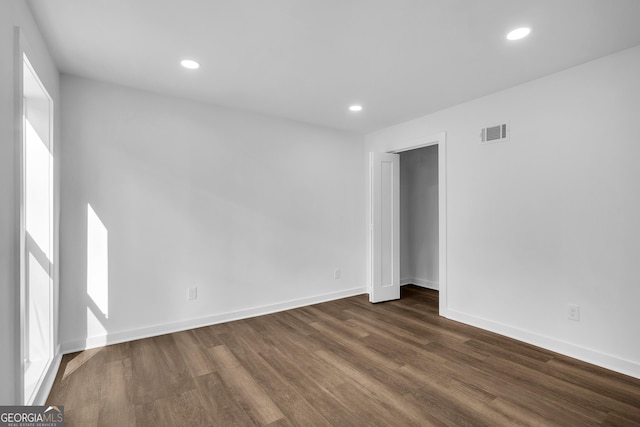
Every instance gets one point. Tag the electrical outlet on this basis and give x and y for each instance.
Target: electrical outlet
(336, 274)
(192, 294)
(574, 312)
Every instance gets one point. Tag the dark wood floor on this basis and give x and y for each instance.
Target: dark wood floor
(341, 363)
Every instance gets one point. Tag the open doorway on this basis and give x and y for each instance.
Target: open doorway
(419, 217)
(383, 267)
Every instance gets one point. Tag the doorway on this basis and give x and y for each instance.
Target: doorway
(419, 217)
(384, 218)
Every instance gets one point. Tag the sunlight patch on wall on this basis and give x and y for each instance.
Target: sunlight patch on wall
(97, 262)
(95, 328)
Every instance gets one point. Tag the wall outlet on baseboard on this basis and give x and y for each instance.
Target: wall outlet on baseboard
(192, 294)
(336, 274)
(574, 312)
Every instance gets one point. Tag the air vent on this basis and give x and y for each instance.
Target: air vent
(497, 133)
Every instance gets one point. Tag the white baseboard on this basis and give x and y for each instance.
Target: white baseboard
(604, 360)
(588, 355)
(167, 328)
(420, 282)
(47, 382)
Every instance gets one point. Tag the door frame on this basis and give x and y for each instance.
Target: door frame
(396, 147)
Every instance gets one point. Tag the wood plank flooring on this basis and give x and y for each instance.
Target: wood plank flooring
(341, 363)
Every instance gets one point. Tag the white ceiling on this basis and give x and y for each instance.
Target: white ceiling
(309, 60)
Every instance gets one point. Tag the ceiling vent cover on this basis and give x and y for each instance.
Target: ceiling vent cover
(497, 133)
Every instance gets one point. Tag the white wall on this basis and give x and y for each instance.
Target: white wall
(255, 212)
(419, 217)
(550, 217)
(16, 13)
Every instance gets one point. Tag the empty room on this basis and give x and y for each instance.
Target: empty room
(354, 212)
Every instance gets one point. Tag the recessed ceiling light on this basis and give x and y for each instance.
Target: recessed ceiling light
(519, 33)
(190, 64)
(355, 108)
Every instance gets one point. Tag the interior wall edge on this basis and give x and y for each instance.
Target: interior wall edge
(16, 238)
(603, 360)
(168, 328)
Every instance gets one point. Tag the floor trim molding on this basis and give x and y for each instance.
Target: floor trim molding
(584, 354)
(167, 328)
(428, 284)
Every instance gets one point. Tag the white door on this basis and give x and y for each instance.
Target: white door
(385, 227)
